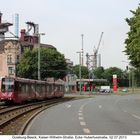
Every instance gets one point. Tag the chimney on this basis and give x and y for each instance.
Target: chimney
(22, 34)
(0, 17)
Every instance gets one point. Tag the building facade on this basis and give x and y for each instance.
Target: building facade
(9, 57)
(11, 50)
(10, 54)
(70, 83)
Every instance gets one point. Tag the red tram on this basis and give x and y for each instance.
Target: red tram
(18, 90)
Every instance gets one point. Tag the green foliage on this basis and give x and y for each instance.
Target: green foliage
(101, 73)
(84, 71)
(52, 64)
(108, 73)
(27, 65)
(136, 77)
(132, 48)
(98, 73)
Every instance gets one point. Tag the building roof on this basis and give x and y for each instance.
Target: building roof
(24, 43)
(2, 44)
(6, 24)
(91, 80)
(47, 46)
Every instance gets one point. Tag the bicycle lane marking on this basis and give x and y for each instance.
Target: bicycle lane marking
(83, 124)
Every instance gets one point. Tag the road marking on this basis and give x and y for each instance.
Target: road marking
(80, 114)
(137, 117)
(100, 106)
(86, 130)
(82, 123)
(68, 105)
(80, 111)
(81, 118)
(136, 132)
(81, 108)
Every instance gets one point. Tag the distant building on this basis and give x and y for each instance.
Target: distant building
(4, 27)
(70, 83)
(31, 40)
(10, 54)
(69, 63)
(11, 50)
(70, 79)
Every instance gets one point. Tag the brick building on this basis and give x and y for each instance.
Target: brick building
(10, 54)
(11, 50)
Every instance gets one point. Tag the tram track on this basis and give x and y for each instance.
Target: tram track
(16, 118)
(3, 107)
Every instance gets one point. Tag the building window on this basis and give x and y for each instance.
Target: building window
(17, 58)
(10, 70)
(9, 58)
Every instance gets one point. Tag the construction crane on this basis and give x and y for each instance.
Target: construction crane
(95, 55)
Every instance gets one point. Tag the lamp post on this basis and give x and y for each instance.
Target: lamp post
(131, 77)
(128, 70)
(82, 50)
(39, 75)
(80, 69)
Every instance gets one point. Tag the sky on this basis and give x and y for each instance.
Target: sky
(63, 22)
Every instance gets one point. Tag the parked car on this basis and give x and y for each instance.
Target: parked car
(105, 89)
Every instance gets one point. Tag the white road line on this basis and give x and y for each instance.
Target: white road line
(68, 105)
(81, 118)
(86, 130)
(80, 114)
(82, 123)
(100, 106)
(137, 117)
(136, 132)
(81, 108)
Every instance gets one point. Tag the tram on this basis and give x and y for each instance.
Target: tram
(18, 90)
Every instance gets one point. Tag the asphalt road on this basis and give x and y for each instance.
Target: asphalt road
(101, 115)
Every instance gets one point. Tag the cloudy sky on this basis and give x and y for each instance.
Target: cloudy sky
(64, 21)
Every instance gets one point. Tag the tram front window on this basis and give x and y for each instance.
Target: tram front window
(7, 85)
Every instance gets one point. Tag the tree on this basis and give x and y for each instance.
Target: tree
(52, 64)
(98, 73)
(136, 74)
(84, 71)
(132, 48)
(108, 73)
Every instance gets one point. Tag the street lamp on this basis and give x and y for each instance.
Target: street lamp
(39, 35)
(131, 76)
(80, 69)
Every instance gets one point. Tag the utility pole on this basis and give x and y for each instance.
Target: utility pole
(80, 71)
(82, 50)
(133, 81)
(39, 76)
(39, 73)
